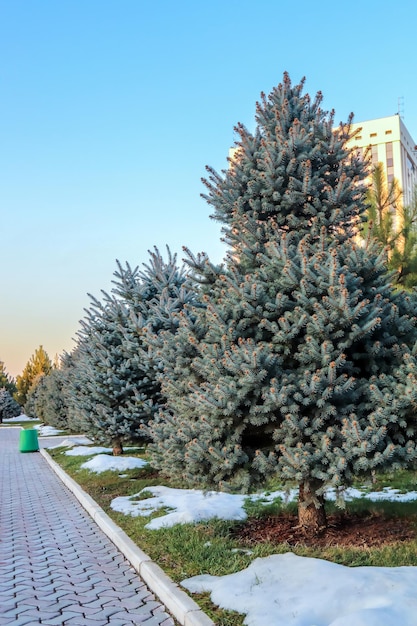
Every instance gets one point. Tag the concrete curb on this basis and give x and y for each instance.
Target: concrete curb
(176, 601)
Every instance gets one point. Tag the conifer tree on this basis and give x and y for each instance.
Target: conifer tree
(39, 364)
(302, 334)
(294, 173)
(8, 406)
(175, 424)
(75, 395)
(6, 381)
(393, 225)
(404, 256)
(104, 372)
(46, 400)
(117, 386)
(31, 396)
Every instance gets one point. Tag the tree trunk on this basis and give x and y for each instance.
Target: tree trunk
(311, 510)
(117, 447)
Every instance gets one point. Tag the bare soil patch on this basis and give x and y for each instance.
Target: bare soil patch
(348, 530)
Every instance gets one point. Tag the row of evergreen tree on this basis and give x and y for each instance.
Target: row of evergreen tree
(294, 357)
(15, 394)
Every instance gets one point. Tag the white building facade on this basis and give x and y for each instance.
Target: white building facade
(389, 142)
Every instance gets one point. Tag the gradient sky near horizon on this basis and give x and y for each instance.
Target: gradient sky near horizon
(110, 111)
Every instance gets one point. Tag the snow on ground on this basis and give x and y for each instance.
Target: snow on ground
(393, 495)
(387, 493)
(193, 505)
(82, 450)
(288, 590)
(43, 430)
(19, 418)
(104, 462)
(87, 450)
(47, 431)
(187, 506)
(78, 440)
(103, 459)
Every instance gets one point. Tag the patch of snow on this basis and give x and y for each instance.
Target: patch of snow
(393, 495)
(186, 506)
(47, 431)
(104, 462)
(82, 450)
(349, 494)
(387, 493)
(286, 496)
(68, 443)
(288, 590)
(87, 451)
(20, 418)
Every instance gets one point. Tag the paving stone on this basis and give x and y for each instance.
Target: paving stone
(22, 621)
(156, 620)
(94, 604)
(21, 588)
(91, 612)
(38, 603)
(61, 619)
(75, 621)
(119, 622)
(45, 589)
(76, 598)
(58, 595)
(107, 612)
(47, 613)
(139, 613)
(101, 590)
(8, 605)
(129, 603)
(9, 614)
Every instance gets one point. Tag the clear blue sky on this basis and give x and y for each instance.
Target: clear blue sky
(110, 110)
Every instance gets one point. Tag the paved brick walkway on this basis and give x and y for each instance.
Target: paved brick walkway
(56, 565)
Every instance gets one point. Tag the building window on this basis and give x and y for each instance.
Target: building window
(374, 154)
(389, 155)
(372, 135)
(388, 132)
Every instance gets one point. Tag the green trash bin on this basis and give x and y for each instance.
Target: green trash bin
(28, 441)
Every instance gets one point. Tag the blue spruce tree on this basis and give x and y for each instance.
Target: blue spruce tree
(8, 406)
(300, 363)
(77, 402)
(176, 422)
(116, 389)
(50, 400)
